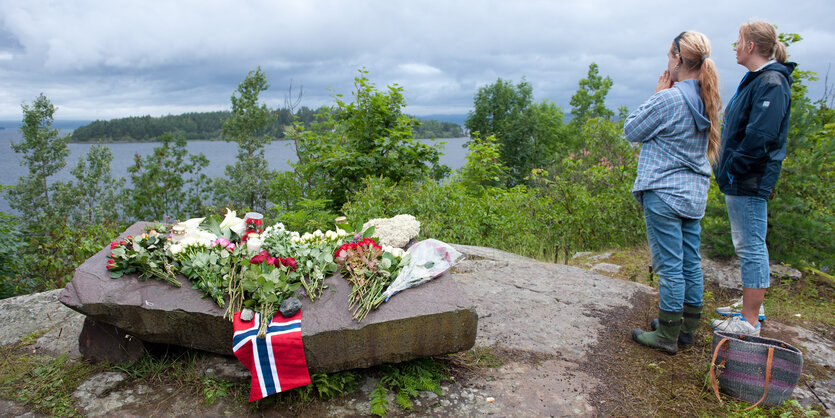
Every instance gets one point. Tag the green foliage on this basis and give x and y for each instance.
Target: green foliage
(44, 154)
(329, 386)
(168, 183)
(583, 203)
(529, 134)
(590, 99)
(406, 380)
(246, 181)
(214, 389)
(483, 169)
(94, 196)
(11, 260)
(308, 215)
(370, 136)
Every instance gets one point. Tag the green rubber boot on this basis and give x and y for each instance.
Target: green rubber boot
(665, 338)
(690, 322)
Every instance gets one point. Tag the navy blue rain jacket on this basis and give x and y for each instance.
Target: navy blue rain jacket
(754, 132)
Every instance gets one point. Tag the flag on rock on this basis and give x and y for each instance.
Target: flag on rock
(276, 362)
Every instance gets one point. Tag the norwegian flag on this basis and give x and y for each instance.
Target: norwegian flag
(276, 362)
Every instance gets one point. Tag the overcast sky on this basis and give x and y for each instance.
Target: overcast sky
(112, 58)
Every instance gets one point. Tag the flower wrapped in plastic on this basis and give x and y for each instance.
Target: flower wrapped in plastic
(428, 259)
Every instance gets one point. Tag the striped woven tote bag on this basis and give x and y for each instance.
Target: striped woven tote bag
(754, 369)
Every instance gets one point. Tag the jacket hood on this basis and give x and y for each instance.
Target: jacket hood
(785, 68)
(690, 90)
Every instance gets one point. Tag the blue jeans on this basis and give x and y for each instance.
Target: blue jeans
(748, 216)
(674, 246)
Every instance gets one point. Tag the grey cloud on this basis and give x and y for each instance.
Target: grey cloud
(102, 59)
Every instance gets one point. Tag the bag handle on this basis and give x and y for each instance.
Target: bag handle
(715, 383)
(713, 380)
(767, 376)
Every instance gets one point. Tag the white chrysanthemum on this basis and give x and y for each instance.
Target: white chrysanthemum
(318, 233)
(342, 233)
(331, 235)
(396, 231)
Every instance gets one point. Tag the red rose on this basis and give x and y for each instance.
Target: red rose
(258, 259)
(290, 262)
(272, 261)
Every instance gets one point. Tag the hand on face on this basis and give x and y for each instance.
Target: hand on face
(664, 82)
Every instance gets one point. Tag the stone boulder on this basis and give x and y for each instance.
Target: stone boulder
(431, 319)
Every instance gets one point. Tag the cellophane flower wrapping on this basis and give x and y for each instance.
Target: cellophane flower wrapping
(428, 259)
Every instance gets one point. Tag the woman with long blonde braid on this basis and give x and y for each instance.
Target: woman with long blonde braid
(678, 128)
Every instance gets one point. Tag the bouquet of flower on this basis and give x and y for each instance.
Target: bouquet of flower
(210, 269)
(312, 251)
(429, 259)
(370, 269)
(268, 280)
(144, 255)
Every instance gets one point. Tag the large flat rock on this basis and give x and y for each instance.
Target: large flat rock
(431, 319)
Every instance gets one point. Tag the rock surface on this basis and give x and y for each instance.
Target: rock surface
(544, 319)
(431, 319)
(56, 326)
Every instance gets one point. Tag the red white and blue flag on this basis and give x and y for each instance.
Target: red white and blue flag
(276, 362)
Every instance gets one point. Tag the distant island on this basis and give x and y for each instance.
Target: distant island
(208, 126)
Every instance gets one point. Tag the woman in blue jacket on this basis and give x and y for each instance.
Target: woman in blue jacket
(678, 131)
(753, 147)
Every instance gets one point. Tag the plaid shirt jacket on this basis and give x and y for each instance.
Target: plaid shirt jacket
(672, 162)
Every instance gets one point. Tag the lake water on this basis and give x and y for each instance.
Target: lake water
(220, 154)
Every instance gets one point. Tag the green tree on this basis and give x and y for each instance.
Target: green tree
(529, 134)
(590, 99)
(483, 168)
(246, 185)
(168, 183)
(43, 153)
(94, 197)
(369, 136)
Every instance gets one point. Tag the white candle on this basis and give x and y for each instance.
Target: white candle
(253, 243)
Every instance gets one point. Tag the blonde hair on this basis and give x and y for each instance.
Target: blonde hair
(694, 50)
(764, 37)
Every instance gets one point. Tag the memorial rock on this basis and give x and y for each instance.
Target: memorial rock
(431, 319)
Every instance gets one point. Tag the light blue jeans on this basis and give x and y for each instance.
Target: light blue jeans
(749, 223)
(674, 245)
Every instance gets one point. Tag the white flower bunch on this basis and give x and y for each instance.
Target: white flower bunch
(194, 237)
(395, 251)
(273, 230)
(396, 231)
(318, 237)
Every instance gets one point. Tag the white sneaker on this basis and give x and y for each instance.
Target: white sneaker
(735, 309)
(736, 325)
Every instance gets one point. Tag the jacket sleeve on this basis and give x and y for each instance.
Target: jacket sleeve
(770, 103)
(646, 121)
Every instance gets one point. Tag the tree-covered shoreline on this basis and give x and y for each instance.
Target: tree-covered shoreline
(207, 126)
